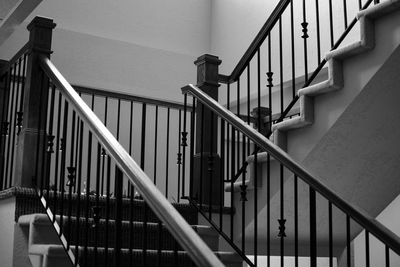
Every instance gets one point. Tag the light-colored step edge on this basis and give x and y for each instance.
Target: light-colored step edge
(334, 58)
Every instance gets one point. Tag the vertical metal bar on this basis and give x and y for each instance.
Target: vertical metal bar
(360, 4)
(184, 144)
(313, 229)
(345, 13)
(330, 235)
(108, 194)
(318, 33)
(296, 222)
(88, 174)
(179, 162)
(270, 74)
(331, 23)
(103, 153)
(305, 36)
(118, 216)
(245, 140)
(15, 130)
(167, 155)
(144, 240)
(131, 229)
(143, 137)
(58, 150)
(268, 210)
(70, 176)
(63, 162)
(155, 146)
(210, 167)
(201, 155)
(259, 123)
(79, 181)
(281, 65)
(367, 260)
(192, 133)
(50, 145)
(282, 216)
(97, 207)
(348, 240)
(11, 125)
(238, 134)
(221, 174)
(387, 256)
(293, 52)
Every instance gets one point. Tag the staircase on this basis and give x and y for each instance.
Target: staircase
(92, 174)
(96, 241)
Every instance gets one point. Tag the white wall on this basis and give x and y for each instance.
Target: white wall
(390, 217)
(142, 47)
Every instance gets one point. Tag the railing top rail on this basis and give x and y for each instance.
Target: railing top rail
(175, 223)
(256, 43)
(364, 219)
(130, 97)
(14, 59)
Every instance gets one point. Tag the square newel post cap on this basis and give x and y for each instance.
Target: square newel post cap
(41, 29)
(207, 70)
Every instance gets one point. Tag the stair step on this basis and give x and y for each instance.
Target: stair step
(27, 202)
(97, 235)
(163, 258)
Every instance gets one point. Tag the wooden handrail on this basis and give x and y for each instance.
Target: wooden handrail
(130, 97)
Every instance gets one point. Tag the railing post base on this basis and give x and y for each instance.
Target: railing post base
(206, 163)
(31, 140)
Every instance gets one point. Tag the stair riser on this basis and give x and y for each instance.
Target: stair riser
(93, 236)
(136, 259)
(136, 211)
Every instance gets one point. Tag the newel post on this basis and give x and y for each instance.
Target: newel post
(31, 139)
(206, 175)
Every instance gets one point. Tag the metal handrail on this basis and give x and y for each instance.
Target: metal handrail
(199, 252)
(363, 218)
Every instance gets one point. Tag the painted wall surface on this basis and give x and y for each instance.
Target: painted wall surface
(7, 208)
(390, 218)
(142, 47)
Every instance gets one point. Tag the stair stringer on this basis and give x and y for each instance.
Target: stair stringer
(336, 73)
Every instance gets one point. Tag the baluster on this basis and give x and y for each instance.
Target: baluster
(179, 160)
(367, 249)
(313, 229)
(167, 155)
(155, 146)
(304, 25)
(348, 240)
(318, 33)
(118, 215)
(293, 52)
(330, 235)
(88, 193)
(184, 144)
(345, 13)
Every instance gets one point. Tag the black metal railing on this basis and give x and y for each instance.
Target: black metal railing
(287, 54)
(150, 130)
(12, 86)
(296, 215)
(87, 183)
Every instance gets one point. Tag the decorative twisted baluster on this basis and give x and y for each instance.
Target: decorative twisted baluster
(50, 144)
(304, 30)
(4, 128)
(270, 79)
(71, 176)
(19, 121)
(282, 228)
(179, 159)
(243, 192)
(184, 139)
